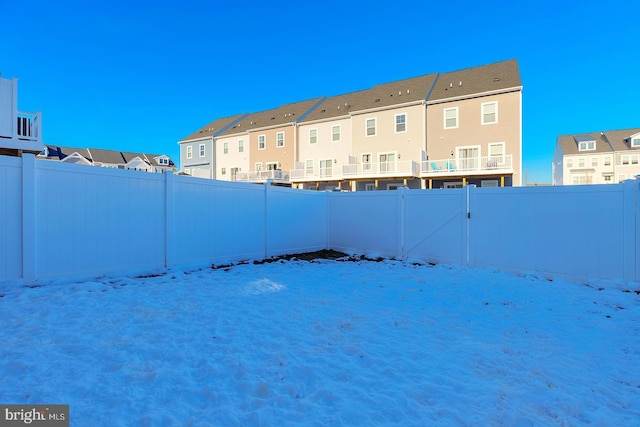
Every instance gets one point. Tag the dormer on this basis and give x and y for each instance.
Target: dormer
(162, 160)
(634, 140)
(585, 142)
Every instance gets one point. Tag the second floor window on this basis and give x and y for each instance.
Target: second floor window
(280, 139)
(371, 127)
(451, 118)
(225, 148)
(335, 133)
(401, 123)
(189, 152)
(201, 150)
(313, 136)
(489, 113)
(262, 142)
(240, 146)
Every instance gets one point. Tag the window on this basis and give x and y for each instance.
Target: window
(607, 161)
(201, 149)
(489, 113)
(630, 159)
(258, 167)
(163, 161)
(309, 167)
(335, 133)
(387, 162)
(313, 136)
(234, 173)
(280, 139)
(225, 148)
(569, 163)
(635, 142)
(262, 142)
(369, 187)
(496, 154)
(608, 178)
(578, 179)
(451, 118)
(187, 171)
(224, 171)
(366, 162)
(625, 160)
(325, 167)
(587, 145)
(371, 127)
(240, 146)
(594, 162)
(189, 152)
(401, 123)
(581, 162)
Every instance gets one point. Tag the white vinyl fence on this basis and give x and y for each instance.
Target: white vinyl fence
(64, 220)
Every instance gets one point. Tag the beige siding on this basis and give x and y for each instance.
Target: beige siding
(408, 144)
(284, 156)
(441, 142)
(325, 148)
(233, 158)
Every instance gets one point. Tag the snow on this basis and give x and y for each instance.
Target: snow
(325, 343)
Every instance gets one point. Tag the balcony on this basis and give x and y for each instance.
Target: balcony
(379, 170)
(276, 176)
(485, 165)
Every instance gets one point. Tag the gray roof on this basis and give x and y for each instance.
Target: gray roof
(284, 115)
(486, 78)
(214, 128)
(384, 95)
(151, 158)
(59, 153)
(107, 156)
(606, 141)
(130, 156)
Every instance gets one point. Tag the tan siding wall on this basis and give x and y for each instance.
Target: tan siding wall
(441, 142)
(271, 153)
(325, 148)
(408, 144)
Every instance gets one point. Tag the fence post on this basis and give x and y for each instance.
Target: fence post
(267, 189)
(168, 219)
(631, 190)
(28, 217)
(327, 241)
(467, 232)
(401, 212)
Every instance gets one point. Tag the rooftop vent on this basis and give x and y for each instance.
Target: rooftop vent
(399, 92)
(323, 111)
(460, 83)
(496, 79)
(377, 100)
(450, 84)
(407, 91)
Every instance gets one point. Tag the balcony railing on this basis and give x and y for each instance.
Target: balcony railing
(467, 166)
(390, 169)
(262, 176)
(28, 126)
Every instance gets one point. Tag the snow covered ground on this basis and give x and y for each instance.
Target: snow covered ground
(325, 343)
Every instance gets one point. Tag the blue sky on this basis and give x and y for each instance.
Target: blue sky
(139, 77)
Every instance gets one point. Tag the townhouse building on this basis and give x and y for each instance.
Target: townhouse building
(198, 150)
(606, 157)
(431, 131)
(261, 146)
(19, 131)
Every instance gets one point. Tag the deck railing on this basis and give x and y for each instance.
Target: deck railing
(469, 165)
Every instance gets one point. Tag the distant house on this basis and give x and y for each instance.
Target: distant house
(157, 163)
(19, 131)
(606, 157)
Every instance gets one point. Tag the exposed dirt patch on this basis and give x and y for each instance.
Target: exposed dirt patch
(305, 256)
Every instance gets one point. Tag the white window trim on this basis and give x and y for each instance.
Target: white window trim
(310, 137)
(375, 127)
(395, 122)
(264, 137)
(225, 148)
(189, 152)
(482, 114)
(241, 146)
(504, 148)
(278, 141)
(586, 147)
(258, 166)
(444, 118)
(370, 187)
(202, 150)
(369, 163)
(339, 133)
(635, 142)
(306, 167)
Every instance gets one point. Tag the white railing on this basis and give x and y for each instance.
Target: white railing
(483, 164)
(262, 176)
(396, 168)
(28, 126)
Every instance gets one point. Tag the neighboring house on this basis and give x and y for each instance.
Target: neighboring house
(157, 163)
(474, 128)
(198, 150)
(431, 131)
(605, 157)
(272, 143)
(19, 131)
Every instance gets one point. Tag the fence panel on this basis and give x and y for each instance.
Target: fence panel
(91, 220)
(297, 220)
(571, 230)
(214, 221)
(364, 222)
(10, 218)
(435, 225)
